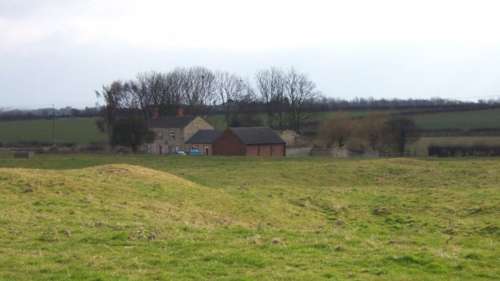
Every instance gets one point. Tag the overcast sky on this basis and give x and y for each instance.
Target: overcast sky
(59, 52)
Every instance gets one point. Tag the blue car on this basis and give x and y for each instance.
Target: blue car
(195, 151)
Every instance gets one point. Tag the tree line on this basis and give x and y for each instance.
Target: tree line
(47, 113)
(281, 94)
(250, 101)
(411, 106)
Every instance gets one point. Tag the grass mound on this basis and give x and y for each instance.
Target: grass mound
(110, 192)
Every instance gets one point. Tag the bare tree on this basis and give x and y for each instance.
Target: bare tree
(298, 91)
(198, 88)
(285, 94)
(117, 99)
(148, 90)
(173, 97)
(192, 87)
(271, 86)
(231, 89)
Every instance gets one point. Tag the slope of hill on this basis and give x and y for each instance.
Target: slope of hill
(173, 218)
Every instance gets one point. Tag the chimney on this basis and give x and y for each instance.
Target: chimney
(155, 114)
(180, 112)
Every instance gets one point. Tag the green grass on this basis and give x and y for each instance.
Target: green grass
(98, 217)
(459, 120)
(67, 130)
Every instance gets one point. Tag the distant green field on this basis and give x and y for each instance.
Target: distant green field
(319, 116)
(465, 120)
(66, 130)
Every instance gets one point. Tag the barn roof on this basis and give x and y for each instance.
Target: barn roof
(257, 135)
(204, 137)
(172, 122)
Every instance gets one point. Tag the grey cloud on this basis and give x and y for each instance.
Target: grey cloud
(68, 75)
(26, 8)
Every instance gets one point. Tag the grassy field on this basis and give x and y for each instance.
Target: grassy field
(67, 130)
(464, 120)
(85, 217)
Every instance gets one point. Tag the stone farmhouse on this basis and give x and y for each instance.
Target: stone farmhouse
(171, 133)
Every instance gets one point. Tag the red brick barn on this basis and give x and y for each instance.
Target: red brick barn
(249, 141)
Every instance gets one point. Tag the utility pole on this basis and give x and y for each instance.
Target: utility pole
(53, 125)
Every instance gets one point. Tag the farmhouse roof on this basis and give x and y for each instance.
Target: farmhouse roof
(257, 135)
(172, 122)
(204, 137)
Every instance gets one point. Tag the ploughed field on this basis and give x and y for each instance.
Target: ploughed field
(83, 217)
